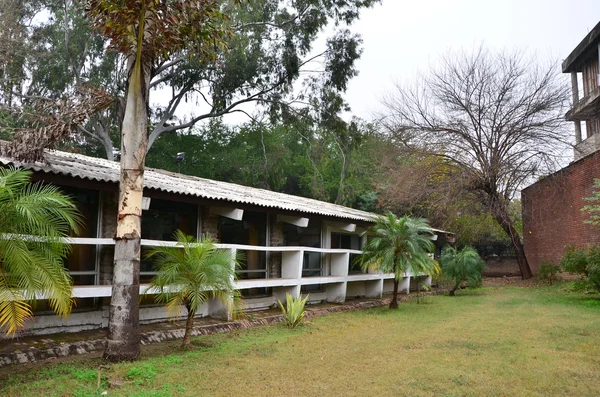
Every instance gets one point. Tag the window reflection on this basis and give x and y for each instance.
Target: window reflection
(348, 241)
(160, 222)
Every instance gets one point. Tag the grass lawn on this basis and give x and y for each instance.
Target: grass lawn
(504, 341)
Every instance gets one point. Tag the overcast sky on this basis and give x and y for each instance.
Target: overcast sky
(402, 37)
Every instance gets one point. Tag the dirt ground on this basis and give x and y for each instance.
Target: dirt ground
(517, 281)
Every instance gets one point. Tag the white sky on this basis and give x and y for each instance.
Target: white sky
(402, 37)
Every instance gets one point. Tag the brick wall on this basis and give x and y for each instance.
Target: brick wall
(552, 217)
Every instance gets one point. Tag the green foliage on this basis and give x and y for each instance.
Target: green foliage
(192, 273)
(399, 246)
(142, 374)
(548, 272)
(461, 265)
(585, 262)
(293, 311)
(30, 267)
(297, 158)
(593, 209)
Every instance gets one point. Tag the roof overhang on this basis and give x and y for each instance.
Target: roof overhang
(586, 49)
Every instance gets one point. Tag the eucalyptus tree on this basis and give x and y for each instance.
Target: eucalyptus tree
(496, 117)
(272, 62)
(146, 33)
(32, 267)
(400, 246)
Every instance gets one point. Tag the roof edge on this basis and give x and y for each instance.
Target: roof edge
(572, 62)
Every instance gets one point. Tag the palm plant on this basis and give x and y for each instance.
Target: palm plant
(191, 273)
(293, 311)
(398, 245)
(461, 265)
(33, 220)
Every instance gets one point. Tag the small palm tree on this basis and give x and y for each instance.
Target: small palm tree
(461, 265)
(32, 266)
(398, 245)
(190, 274)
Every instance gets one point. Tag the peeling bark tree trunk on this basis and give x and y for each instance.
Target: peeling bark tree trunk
(123, 325)
(503, 218)
(394, 301)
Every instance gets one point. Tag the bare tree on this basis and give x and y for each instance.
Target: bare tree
(497, 116)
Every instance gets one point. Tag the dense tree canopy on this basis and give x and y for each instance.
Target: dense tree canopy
(271, 65)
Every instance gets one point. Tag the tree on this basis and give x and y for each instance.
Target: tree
(585, 262)
(190, 274)
(460, 265)
(148, 33)
(32, 267)
(271, 49)
(593, 209)
(497, 117)
(399, 246)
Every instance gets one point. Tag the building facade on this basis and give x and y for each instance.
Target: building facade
(290, 244)
(552, 216)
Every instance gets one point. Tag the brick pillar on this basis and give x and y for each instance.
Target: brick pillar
(210, 223)
(109, 228)
(276, 240)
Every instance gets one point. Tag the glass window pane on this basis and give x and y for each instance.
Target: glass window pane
(83, 257)
(306, 237)
(251, 230)
(87, 279)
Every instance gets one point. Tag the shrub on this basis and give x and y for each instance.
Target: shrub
(585, 262)
(293, 311)
(461, 265)
(548, 272)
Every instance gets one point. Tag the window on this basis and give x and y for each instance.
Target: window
(82, 259)
(310, 236)
(251, 230)
(348, 241)
(160, 222)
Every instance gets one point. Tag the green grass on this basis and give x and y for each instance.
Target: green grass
(497, 342)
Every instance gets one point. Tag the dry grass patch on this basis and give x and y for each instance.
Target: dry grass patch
(498, 341)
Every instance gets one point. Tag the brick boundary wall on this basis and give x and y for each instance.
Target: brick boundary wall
(552, 216)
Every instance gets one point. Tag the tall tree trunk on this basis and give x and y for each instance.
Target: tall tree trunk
(188, 328)
(123, 325)
(394, 301)
(502, 216)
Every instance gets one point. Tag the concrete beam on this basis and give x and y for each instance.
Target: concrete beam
(347, 227)
(293, 220)
(232, 213)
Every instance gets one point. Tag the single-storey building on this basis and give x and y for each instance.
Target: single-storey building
(291, 244)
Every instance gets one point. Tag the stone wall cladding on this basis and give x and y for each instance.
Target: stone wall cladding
(552, 216)
(109, 229)
(210, 223)
(275, 240)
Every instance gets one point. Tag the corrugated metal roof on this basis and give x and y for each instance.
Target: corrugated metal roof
(80, 166)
